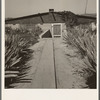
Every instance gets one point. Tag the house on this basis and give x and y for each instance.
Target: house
(51, 22)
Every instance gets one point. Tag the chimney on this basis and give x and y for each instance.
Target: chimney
(51, 10)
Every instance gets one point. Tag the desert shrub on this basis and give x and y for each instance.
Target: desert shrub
(69, 18)
(83, 38)
(17, 54)
(38, 31)
(33, 29)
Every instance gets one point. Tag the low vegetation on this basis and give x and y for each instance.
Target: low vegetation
(17, 53)
(83, 38)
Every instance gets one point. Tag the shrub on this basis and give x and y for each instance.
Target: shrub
(83, 38)
(69, 18)
(17, 54)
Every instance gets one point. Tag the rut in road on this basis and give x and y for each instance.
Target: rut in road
(55, 75)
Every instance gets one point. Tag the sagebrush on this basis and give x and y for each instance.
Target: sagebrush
(17, 53)
(83, 38)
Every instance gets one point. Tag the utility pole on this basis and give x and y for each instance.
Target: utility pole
(86, 6)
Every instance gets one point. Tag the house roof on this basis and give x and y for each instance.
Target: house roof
(47, 17)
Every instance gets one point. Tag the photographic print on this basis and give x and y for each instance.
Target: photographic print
(50, 44)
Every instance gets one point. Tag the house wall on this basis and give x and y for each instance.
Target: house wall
(46, 27)
(49, 26)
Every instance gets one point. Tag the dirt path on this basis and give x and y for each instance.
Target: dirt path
(45, 75)
(51, 67)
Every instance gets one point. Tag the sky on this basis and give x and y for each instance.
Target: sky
(18, 8)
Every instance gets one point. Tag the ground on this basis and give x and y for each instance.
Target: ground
(54, 64)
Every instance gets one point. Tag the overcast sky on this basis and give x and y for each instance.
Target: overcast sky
(17, 8)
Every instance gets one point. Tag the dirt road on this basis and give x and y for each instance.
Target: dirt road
(51, 67)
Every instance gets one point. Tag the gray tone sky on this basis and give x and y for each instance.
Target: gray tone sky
(17, 8)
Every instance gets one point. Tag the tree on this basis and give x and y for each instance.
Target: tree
(69, 18)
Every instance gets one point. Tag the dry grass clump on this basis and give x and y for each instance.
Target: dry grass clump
(83, 37)
(17, 54)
